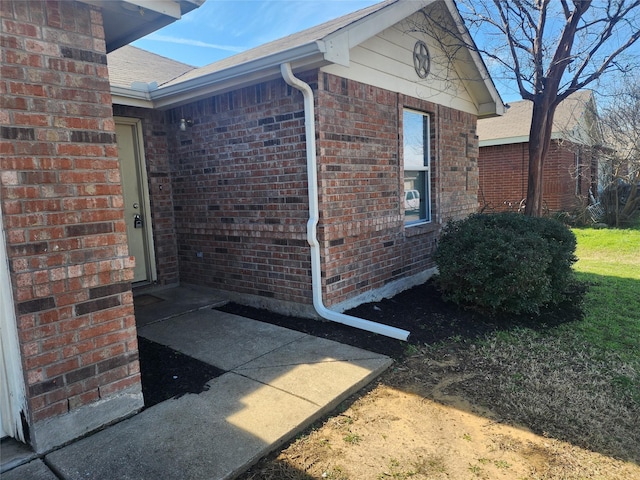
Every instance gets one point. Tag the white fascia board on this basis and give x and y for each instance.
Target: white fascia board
(130, 97)
(305, 56)
(191, 5)
(338, 44)
(503, 141)
(511, 140)
(491, 109)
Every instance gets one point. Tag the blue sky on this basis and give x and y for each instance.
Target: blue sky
(221, 28)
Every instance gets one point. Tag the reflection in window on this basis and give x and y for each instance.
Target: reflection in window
(416, 142)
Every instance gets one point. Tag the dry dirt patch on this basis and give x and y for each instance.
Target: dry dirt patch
(390, 433)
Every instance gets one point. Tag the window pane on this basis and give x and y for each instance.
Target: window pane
(414, 125)
(415, 197)
(416, 141)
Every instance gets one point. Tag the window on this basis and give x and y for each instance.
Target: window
(416, 136)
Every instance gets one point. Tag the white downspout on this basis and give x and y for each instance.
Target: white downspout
(312, 180)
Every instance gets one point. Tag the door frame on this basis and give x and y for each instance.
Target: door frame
(141, 167)
(13, 400)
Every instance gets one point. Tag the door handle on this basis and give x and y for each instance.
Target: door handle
(137, 221)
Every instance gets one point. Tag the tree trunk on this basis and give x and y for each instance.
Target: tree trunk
(539, 142)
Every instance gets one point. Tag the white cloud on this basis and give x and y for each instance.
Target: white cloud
(195, 43)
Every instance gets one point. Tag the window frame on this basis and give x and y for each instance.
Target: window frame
(424, 169)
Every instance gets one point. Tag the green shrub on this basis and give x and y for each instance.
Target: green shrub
(505, 262)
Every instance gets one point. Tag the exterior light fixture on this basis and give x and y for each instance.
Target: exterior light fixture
(184, 124)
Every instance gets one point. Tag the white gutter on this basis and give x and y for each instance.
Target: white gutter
(308, 56)
(130, 97)
(312, 239)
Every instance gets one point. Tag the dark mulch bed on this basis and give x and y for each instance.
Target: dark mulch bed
(167, 373)
(420, 310)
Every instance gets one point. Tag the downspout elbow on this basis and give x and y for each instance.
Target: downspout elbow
(312, 239)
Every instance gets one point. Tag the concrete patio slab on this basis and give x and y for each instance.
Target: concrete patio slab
(278, 382)
(214, 435)
(14, 453)
(315, 369)
(221, 339)
(34, 470)
(308, 349)
(154, 305)
(321, 383)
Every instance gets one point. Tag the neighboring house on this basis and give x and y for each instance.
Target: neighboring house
(277, 176)
(571, 166)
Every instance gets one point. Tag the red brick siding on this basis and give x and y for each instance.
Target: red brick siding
(156, 151)
(360, 184)
(62, 208)
(240, 192)
(366, 244)
(504, 174)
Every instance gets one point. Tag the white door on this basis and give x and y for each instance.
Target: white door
(136, 198)
(12, 389)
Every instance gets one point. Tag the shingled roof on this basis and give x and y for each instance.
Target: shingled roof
(129, 65)
(330, 43)
(290, 42)
(514, 125)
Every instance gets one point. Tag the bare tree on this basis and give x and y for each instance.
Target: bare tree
(551, 49)
(620, 167)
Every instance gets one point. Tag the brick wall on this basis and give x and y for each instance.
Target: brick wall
(240, 192)
(366, 244)
(361, 227)
(62, 209)
(156, 151)
(504, 173)
(503, 180)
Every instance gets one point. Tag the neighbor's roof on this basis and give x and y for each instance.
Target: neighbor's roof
(129, 65)
(514, 125)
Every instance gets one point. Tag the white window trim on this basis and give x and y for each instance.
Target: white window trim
(12, 390)
(420, 168)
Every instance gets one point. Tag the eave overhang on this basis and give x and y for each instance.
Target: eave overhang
(333, 48)
(517, 139)
(304, 57)
(125, 21)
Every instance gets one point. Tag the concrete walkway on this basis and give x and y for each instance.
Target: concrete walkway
(277, 382)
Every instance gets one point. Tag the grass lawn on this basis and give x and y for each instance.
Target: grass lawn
(578, 381)
(609, 260)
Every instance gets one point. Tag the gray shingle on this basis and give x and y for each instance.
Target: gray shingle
(516, 122)
(130, 64)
